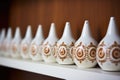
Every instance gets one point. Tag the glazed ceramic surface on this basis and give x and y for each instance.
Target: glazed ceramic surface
(15, 44)
(108, 51)
(85, 49)
(48, 51)
(36, 45)
(2, 37)
(64, 47)
(7, 43)
(25, 44)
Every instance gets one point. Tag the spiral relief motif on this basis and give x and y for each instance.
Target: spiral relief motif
(34, 50)
(92, 54)
(101, 56)
(62, 52)
(49, 50)
(25, 48)
(83, 52)
(101, 53)
(80, 54)
(111, 53)
(65, 51)
(46, 50)
(116, 53)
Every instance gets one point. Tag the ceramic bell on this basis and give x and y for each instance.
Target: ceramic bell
(65, 47)
(15, 44)
(36, 45)
(7, 42)
(48, 53)
(25, 44)
(85, 48)
(2, 41)
(108, 51)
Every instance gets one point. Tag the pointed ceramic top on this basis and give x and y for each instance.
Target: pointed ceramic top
(2, 34)
(52, 37)
(52, 32)
(17, 34)
(67, 37)
(39, 33)
(86, 30)
(28, 34)
(67, 31)
(86, 36)
(112, 28)
(9, 34)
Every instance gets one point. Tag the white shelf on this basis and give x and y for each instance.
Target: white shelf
(69, 72)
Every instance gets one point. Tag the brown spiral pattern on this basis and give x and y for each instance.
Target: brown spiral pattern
(116, 53)
(46, 50)
(101, 53)
(93, 53)
(34, 50)
(79, 54)
(62, 52)
(25, 48)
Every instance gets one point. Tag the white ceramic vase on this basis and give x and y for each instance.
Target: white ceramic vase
(65, 46)
(15, 44)
(48, 52)
(7, 42)
(85, 49)
(108, 51)
(2, 41)
(36, 45)
(25, 44)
